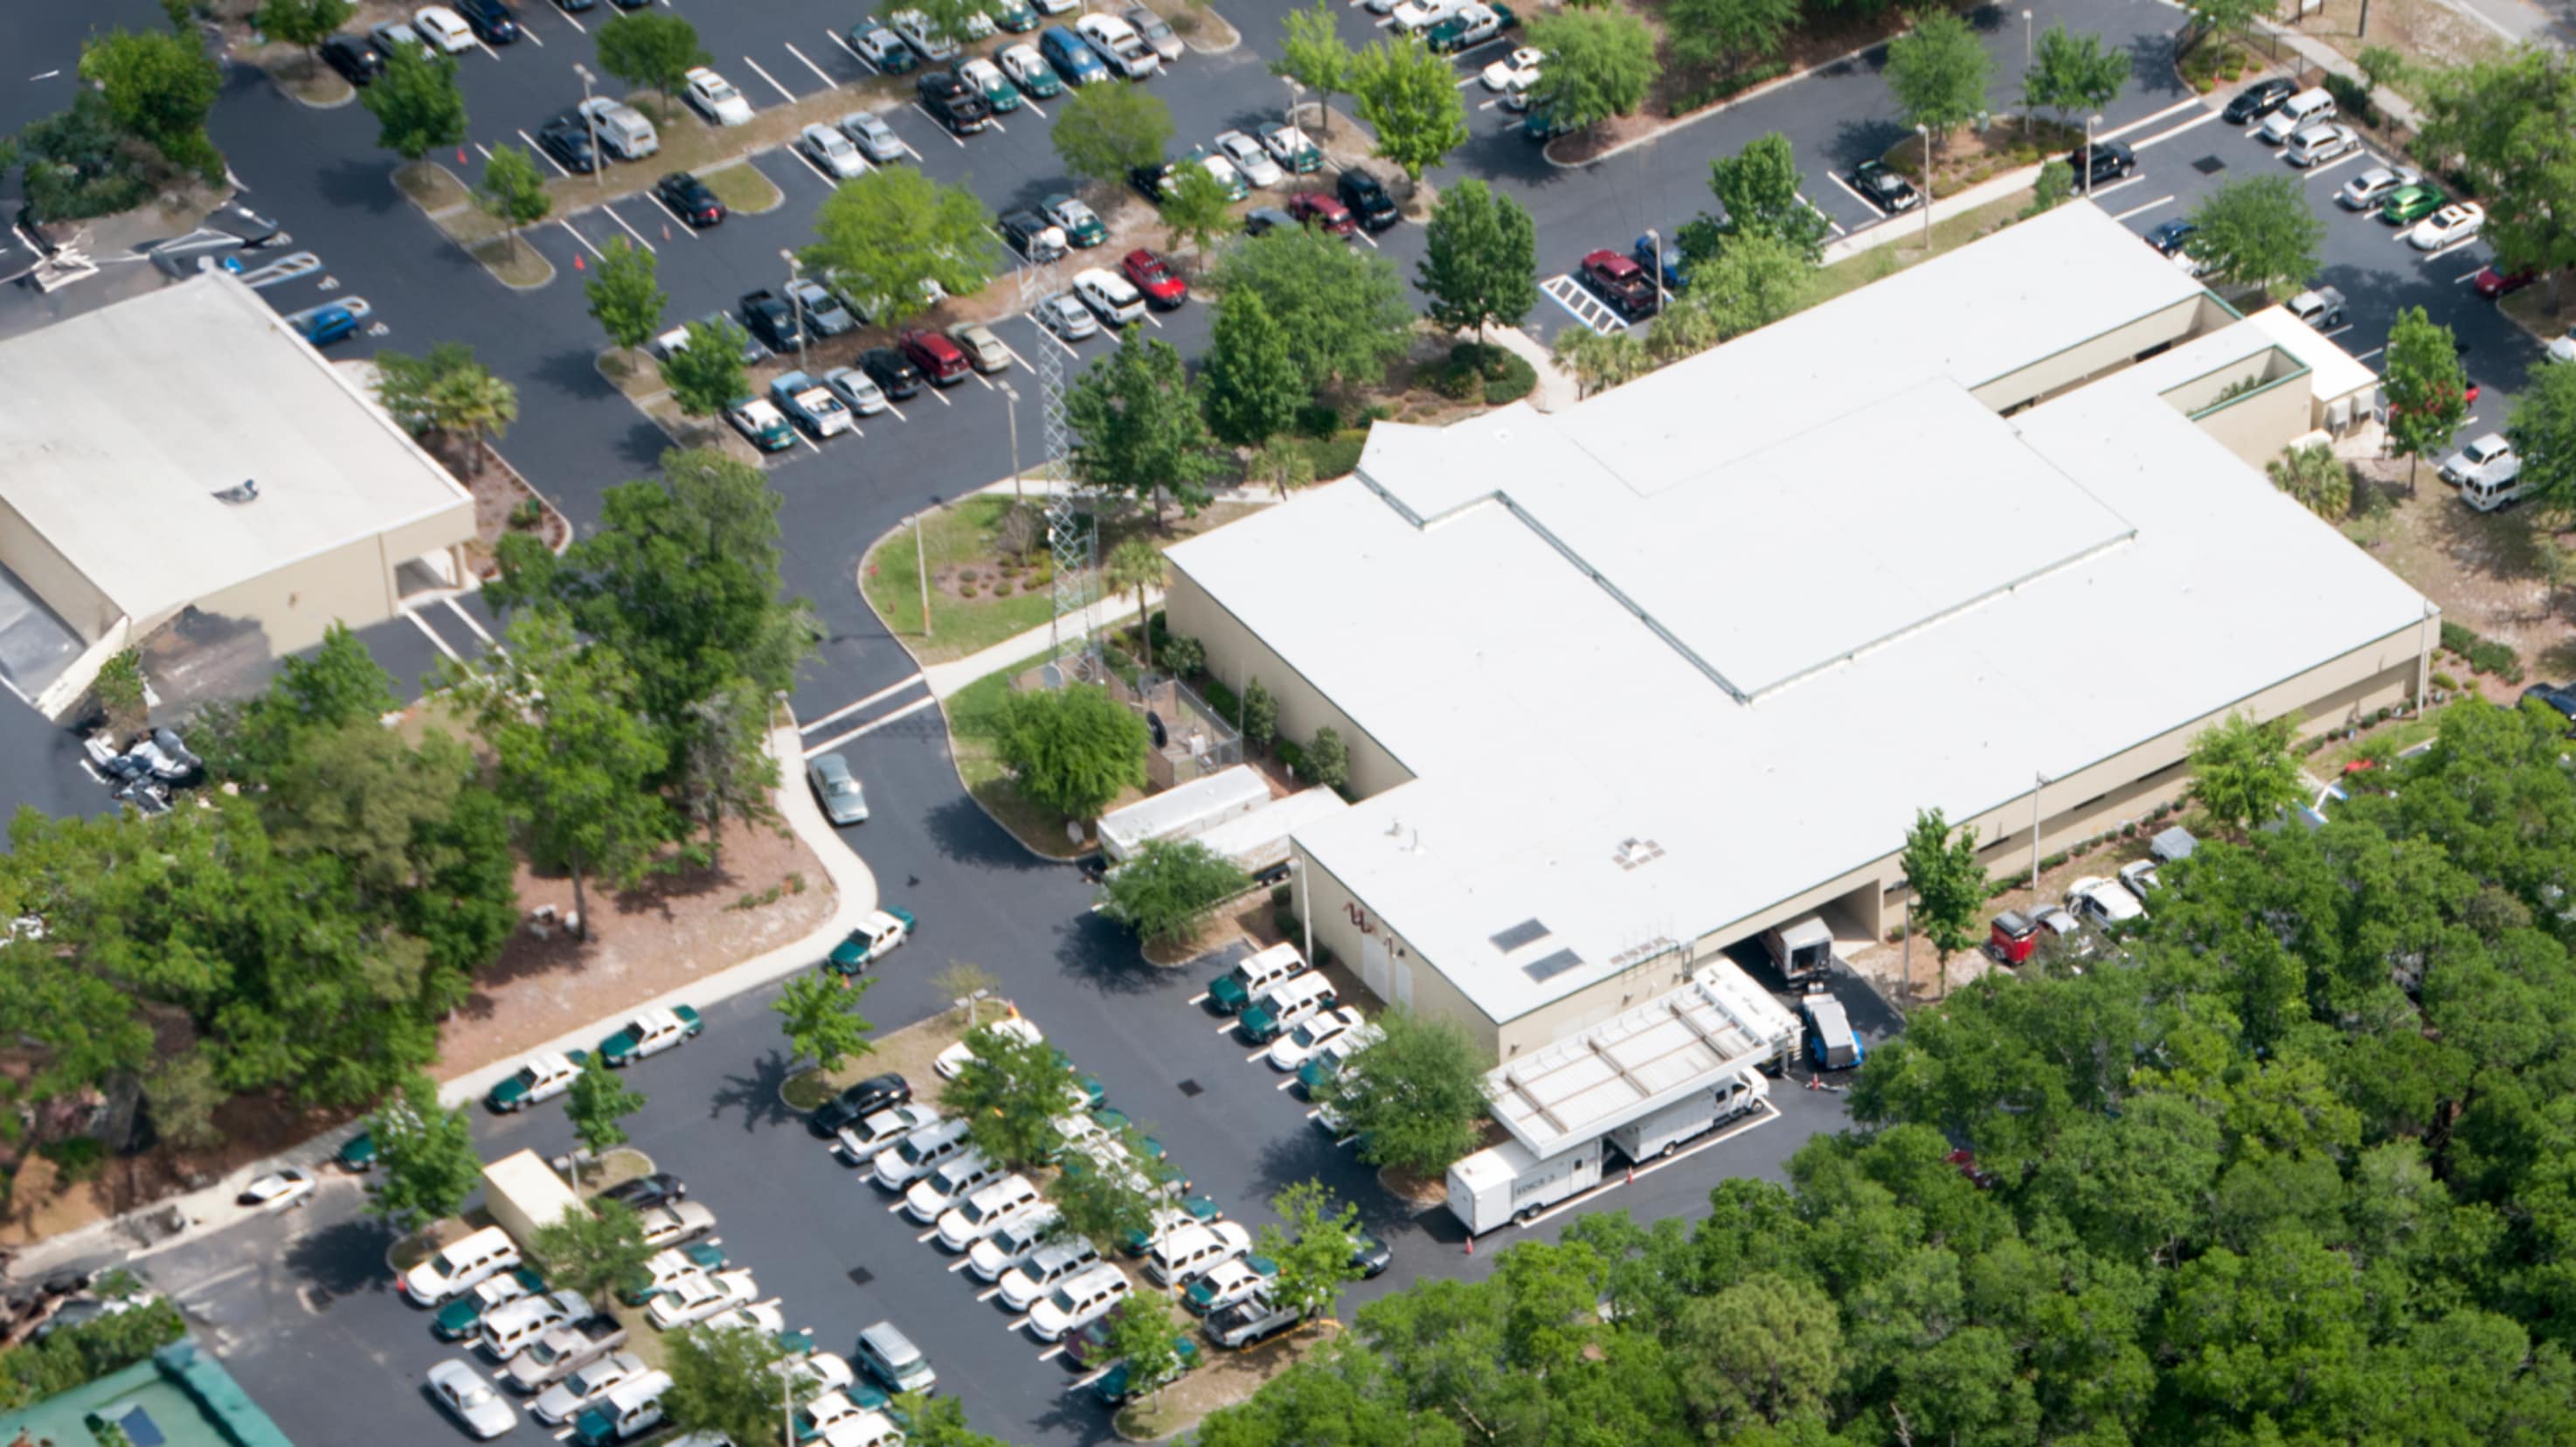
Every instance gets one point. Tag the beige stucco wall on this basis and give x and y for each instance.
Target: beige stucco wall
(355, 584)
(2258, 425)
(2082, 360)
(1235, 655)
(43, 568)
(1351, 934)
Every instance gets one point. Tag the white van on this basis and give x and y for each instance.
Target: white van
(461, 1267)
(629, 1408)
(919, 1153)
(1110, 295)
(947, 1184)
(1183, 1256)
(1078, 1302)
(2500, 487)
(623, 131)
(2296, 114)
(1234, 989)
(513, 1326)
(984, 1210)
(1285, 1006)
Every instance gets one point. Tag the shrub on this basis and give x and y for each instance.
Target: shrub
(1294, 758)
(1318, 421)
(2445, 681)
(1260, 720)
(1221, 699)
(2489, 656)
(1336, 456)
(1517, 380)
(1281, 895)
(76, 1159)
(1328, 759)
(1727, 85)
(2352, 98)
(1182, 654)
(1168, 884)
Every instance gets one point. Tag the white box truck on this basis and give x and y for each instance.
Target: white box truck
(1695, 1115)
(1178, 813)
(1506, 1183)
(1257, 842)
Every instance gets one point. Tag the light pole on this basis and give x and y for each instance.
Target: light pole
(2089, 123)
(1293, 89)
(1657, 238)
(1926, 133)
(2037, 783)
(598, 162)
(921, 565)
(2025, 39)
(796, 314)
(1011, 409)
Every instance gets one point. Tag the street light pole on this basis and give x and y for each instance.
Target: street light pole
(1011, 409)
(1657, 237)
(598, 162)
(921, 565)
(796, 312)
(2089, 123)
(1926, 133)
(2025, 65)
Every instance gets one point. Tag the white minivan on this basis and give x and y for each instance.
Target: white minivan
(919, 1153)
(461, 1267)
(2296, 114)
(1109, 294)
(1184, 1255)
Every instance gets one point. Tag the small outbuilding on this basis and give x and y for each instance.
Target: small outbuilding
(526, 1196)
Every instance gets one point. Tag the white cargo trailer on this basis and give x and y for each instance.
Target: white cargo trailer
(1179, 813)
(1694, 1115)
(1506, 1183)
(1257, 842)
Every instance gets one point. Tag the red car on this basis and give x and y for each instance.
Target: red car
(2468, 398)
(1621, 282)
(1314, 208)
(939, 359)
(2492, 283)
(1153, 276)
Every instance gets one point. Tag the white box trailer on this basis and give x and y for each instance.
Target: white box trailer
(1661, 1133)
(1258, 842)
(1181, 812)
(1506, 1183)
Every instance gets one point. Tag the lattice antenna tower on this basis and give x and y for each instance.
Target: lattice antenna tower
(1072, 547)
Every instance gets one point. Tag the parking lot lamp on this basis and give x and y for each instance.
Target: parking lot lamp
(795, 308)
(2089, 123)
(1926, 133)
(598, 162)
(2037, 783)
(1657, 239)
(921, 565)
(2025, 65)
(1293, 90)
(1011, 409)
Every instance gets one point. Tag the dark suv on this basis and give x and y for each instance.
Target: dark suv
(357, 62)
(876, 1093)
(893, 372)
(2110, 159)
(491, 20)
(1367, 199)
(2258, 100)
(772, 320)
(2560, 698)
(953, 102)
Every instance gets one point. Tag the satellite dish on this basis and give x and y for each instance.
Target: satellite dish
(1154, 729)
(1050, 676)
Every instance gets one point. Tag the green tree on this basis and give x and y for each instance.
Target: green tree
(1727, 35)
(1101, 1206)
(598, 1102)
(726, 768)
(1313, 54)
(1759, 1353)
(2072, 74)
(2227, 18)
(2257, 234)
(1165, 887)
(725, 1380)
(514, 192)
(78, 163)
(1938, 70)
(1757, 191)
(651, 50)
(2542, 428)
(1328, 759)
(1480, 260)
(426, 1164)
(1600, 360)
(2242, 771)
(1194, 207)
(626, 296)
(159, 88)
(1102, 132)
(879, 237)
(2316, 477)
(416, 103)
(1411, 98)
(1136, 566)
(1753, 282)
(1416, 1097)
(938, 1422)
(820, 1017)
(705, 374)
(1250, 379)
(1282, 462)
(1315, 1252)
(2055, 184)
(1140, 428)
(2380, 66)
(590, 1251)
(1010, 1097)
(950, 20)
(1145, 1335)
(1260, 721)
(1342, 308)
(1948, 884)
(306, 23)
(1072, 749)
(1600, 63)
(2428, 393)
(450, 393)
(2509, 124)
(573, 759)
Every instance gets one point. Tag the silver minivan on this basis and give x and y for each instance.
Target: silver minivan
(2296, 114)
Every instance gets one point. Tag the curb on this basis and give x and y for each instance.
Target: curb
(1546, 152)
(1232, 45)
(745, 160)
(349, 96)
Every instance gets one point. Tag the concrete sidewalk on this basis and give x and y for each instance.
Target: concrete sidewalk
(1555, 390)
(212, 1208)
(2325, 57)
(950, 678)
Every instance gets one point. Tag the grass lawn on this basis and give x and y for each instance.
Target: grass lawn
(1892, 256)
(957, 536)
(743, 188)
(432, 186)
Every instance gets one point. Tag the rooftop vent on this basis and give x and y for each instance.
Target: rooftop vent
(247, 491)
(1633, 852)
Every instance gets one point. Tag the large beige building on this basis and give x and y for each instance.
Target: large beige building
(1630, 683)
(185, 452)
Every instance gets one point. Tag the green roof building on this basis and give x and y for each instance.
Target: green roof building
(180, 1397)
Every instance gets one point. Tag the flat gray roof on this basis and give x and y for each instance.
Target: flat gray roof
(123, 423)
(1688, 649)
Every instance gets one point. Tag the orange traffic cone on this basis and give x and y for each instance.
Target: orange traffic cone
(577, 266)
(460, 155)
(1471, 1243)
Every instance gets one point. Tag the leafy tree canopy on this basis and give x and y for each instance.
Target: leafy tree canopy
(1072, 749)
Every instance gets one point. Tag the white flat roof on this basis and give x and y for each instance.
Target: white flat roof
(1684, 651)
(123, 423)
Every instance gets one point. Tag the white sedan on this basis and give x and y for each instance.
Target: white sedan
(1299, 1045)
(2453, 224)
(954, 1060)
(695, 1297)
(445, 28)
(278, 1191)
(714, 97)
(859, 1143)
(1250, 159)
(1514, 72)
(827, 148)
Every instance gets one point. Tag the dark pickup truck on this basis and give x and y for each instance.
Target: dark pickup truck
(563, 1350)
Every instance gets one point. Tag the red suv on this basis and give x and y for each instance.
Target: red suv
(2494, 281)
(1153, 276)
(1314, 208)
(1621, 282)
(939, 359)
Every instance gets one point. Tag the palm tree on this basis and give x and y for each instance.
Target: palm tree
(1600, 361)
(1686, 326)
(2316, 477)
(1283, 464)
(467, 400)
(1134, 566)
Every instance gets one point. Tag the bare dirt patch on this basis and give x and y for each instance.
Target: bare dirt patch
(677, 928)
(2488, 571)
(2431, 35)
(1223, 1379)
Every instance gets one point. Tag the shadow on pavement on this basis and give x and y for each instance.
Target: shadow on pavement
(342, 1260)
(756, 1095)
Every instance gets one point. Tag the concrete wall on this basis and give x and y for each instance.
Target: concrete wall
(297, 602)
(1360, 942)
(1235, 656)
(51, 576)
(2111, 349)
(2259, 424)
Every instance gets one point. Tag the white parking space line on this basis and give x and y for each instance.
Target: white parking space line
(820, 73)
(2098, 192)
(1222, 1029)
(1261, 1054)
(872, 726)
(2160, 137)
(1015, 356)
(1585, 308)
(575, 24)
(799, 434)
(612, 215)
(1198, 999)
(686, 229)
(440, 643)
(773, 80)
(2433, 256)
(485, 150)
(898, 412)
(897, 1206)
(988, 1293)
(1820, 214)
(1364, 236)
(934, 120)
(1318, 1110)
(584, 240)
(1051, 1353)
(961, 1264)
(1848, 191)
(814, 166)
(542, 156)
(847, 709)
(1081, 1382)
(2177, 108)
(2142, 210)
(924, 1238)
(1035, 108)
(941, 394)
(1016, 1323)
(1283, 1085)
(2466, 276)
(851, 50)
(2347, 158)
(2366, 356)
(1051, 336)
(487, 50)
(996, 125)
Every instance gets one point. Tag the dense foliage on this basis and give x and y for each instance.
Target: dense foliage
(2297, 1171)
(75, 1354)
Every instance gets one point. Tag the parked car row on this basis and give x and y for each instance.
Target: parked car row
(2095, 908)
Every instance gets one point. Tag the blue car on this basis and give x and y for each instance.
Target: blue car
(1676, 276)
(330, 324)
(1072, 56)
(2169, 237)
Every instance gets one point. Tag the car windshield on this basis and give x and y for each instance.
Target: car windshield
(473, 1394)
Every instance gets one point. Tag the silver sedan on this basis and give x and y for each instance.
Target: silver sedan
(471, 1400)
(837, 790)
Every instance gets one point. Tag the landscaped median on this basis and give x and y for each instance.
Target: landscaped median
(453, 209)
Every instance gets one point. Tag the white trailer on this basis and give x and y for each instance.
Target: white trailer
(1695, 1115)
(1181, 812)
(1258, 842)
(1507, 1183)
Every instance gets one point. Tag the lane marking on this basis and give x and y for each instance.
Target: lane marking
(676, 218)
(1015, 1323)
(2366, 356)
(844, 711)
(533, 36)
(925, 1236)
(1051, 1353)
(988, 1293)
(962, 1263)
(1198, 999)
(584, 240)
(1049, 333)
(2142, 210)
(1855, 195)
(1082, 1382)
(815, 166)
(432, 634)
(631, 231)
(819, 72)
(954, 138)
(560, 169)
(773, 80)
(1261, 1054)
(2175, 109)
(2348, 157)
(866, 729)
(2098, 192)
(1283, 1085)
(468, 620)
(1228, 1025)
(851, 50)
(2160, 137)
